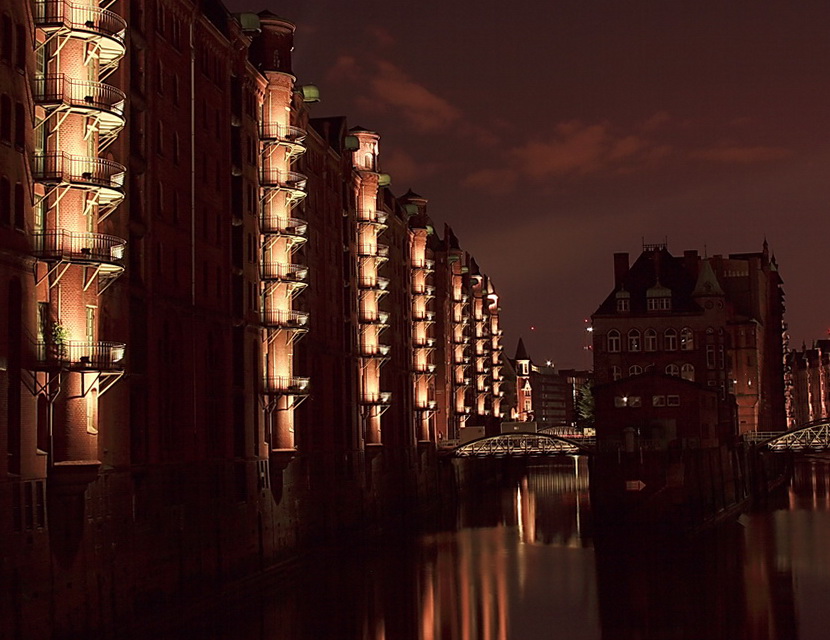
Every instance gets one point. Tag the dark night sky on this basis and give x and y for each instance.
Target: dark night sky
(551, 134)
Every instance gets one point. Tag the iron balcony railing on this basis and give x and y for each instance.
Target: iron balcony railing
(290, 180)
(286, 385)
(282, 133)
(373, 250)
(374, 217)
(91, 356)
(284, 226)
(428, 405)
(79, 247)
(374, 350)
(58, 167)
(426, 264)
(423, 316)
(423, 342)
(54, 14)
(423, 367)
(374, 317)
(284, 319)
(381, 398)
(61, 89)
(284, 272)
(374, 283)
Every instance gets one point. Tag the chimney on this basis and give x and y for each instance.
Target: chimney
(690, 261)
(620, 268)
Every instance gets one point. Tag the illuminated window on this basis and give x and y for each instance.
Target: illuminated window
(635, 401)
(635, 370)
(673, 370)
(687, 372)
(634, 340)
(614, 341)
(650, 340)
(673, 401)
(670, 340)
(687, 339)
(658, 401)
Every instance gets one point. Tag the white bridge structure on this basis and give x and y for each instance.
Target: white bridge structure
(812, 437)
(541, 443)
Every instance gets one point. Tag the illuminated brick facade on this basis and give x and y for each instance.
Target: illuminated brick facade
(219, 317)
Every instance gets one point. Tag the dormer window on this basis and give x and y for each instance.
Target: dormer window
(623, 301)
(658, 298)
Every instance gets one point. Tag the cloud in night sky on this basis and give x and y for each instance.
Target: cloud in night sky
(389, 88)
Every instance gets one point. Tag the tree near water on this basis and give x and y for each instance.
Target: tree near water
(585, 405)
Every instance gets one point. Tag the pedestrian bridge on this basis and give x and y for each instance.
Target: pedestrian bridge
(524, 445)
(811, 437)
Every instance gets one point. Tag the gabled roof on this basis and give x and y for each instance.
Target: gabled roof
(655, 268)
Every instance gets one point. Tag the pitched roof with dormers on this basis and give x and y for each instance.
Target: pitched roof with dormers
(655, 272)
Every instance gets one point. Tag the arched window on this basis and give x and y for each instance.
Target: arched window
(673, 370)
(614, 341)
(670, 340)
(5, 118)
(616, 373)
(635, 370)
(687, 339)
(687, 372)
(5, 200)
(19, 206)
(634, 340)
(650, 340)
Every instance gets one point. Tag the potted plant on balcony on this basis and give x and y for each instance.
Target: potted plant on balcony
(59, 339)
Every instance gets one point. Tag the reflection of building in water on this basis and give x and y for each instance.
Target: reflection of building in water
(464, 593)
(560, 500)
(467, 582)
(810, 485)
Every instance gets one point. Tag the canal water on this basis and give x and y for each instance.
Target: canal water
(522, 562)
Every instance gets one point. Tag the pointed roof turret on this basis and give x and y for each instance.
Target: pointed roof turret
(707, 282)
(521, 352)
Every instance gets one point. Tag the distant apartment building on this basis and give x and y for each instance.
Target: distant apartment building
(716, 323)
(809, 391)
(218, 317)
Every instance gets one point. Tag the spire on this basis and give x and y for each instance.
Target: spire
(521, 352)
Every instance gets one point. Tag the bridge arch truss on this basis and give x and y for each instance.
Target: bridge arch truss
(520, 445)
(811, 437)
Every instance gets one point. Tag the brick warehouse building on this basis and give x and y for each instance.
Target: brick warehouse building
(225, 336)
(809, 383)
(714, 322)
